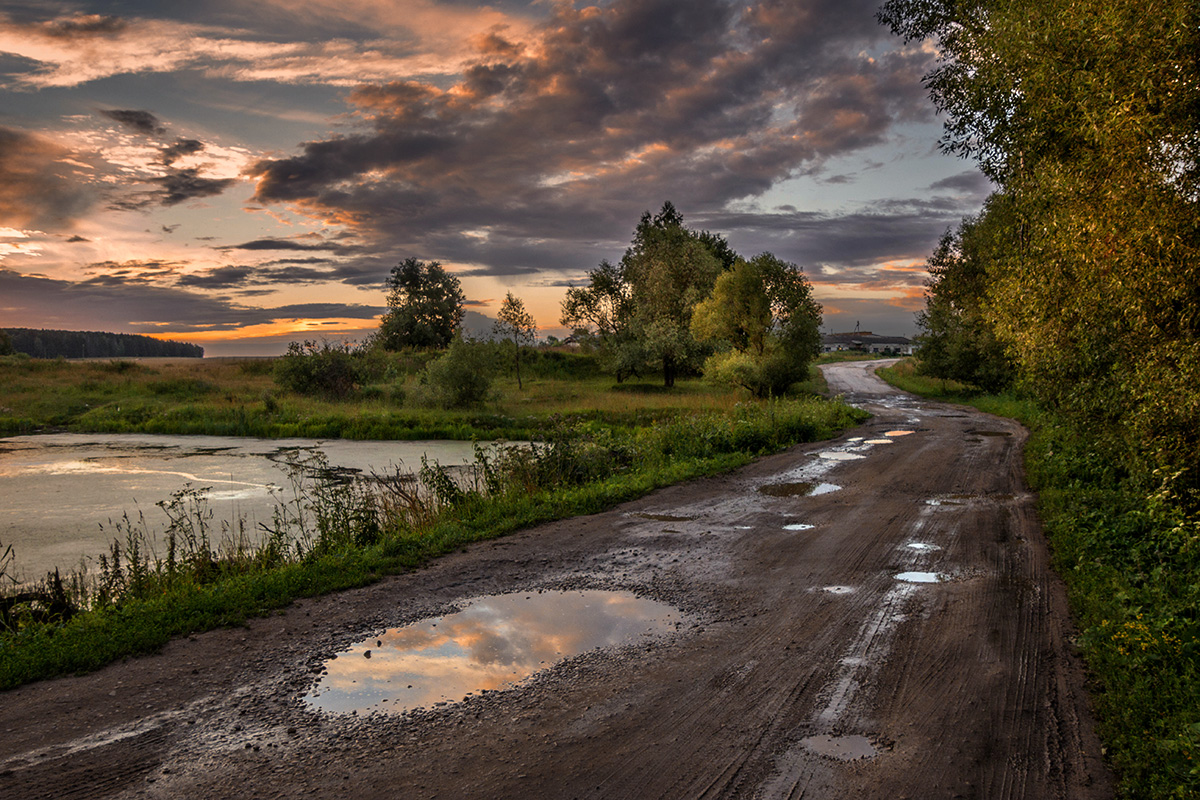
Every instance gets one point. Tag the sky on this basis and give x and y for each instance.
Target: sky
(240, 175)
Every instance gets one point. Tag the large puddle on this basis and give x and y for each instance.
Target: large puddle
(493, 643)
(58, 490)
(798, 489)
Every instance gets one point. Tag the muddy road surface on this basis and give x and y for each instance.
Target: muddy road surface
(872, 617)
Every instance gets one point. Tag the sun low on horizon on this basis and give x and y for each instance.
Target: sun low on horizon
(243, 175)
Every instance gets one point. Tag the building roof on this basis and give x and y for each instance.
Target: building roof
(863, 338)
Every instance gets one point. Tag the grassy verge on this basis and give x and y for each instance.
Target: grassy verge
(1132, 569)
(360, 532)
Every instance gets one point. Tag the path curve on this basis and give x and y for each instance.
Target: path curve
(804, 667)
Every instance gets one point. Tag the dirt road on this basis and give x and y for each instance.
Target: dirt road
(800, 664)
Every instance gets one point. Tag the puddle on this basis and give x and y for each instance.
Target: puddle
(664, 517)
(897, 433)
(843, 748)
(989, 433)
(879, 441)
(922, 546)
(918, 577)
(493, 643)
(798, 526)
(838, 455)
(800, 489)
(940, 501)
(838, 589)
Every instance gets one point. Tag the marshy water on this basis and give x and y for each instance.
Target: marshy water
(494, 642)
(61, 494)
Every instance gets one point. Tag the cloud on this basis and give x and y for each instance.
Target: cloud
(120, 297)
(419, 37)
(140, 121)
(599, 114)
(39, 189)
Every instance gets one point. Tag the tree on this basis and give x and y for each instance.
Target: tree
(6, 347)
(425, 306)
(669, 269)
(604, 309)
(764, 312)
(1084, 113)
(515, 324)
(959, 339)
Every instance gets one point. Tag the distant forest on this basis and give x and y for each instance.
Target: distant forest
(95, 344)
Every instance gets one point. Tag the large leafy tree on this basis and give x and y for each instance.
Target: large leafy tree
(763, 311)
(640, 309)
(1084, 112)
(669, 269)
(425, 306)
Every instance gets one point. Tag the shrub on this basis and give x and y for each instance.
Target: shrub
(328, 369)
(462, 376)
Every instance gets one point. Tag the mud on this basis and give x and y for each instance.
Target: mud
(962, 688)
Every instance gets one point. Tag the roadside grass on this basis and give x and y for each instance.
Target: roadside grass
(597, 445)
(1132, 570)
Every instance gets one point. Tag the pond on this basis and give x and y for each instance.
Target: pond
(62, 494)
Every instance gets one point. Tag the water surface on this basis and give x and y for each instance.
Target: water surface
(61, 493)
(494, 642)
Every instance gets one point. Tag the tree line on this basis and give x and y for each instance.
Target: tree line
(42, 343)
(1079, 281)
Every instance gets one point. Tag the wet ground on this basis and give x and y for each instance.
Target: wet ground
(899, 635)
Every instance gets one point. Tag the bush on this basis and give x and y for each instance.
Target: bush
(327, 369)
(462, 376)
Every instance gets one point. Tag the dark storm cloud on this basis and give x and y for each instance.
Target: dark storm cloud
(139, 121)
(219, 278)
(110, 302)
(242, 277)
(278, 244)
(179, 148)
(38, 190)
(606, 112)
(181, 185)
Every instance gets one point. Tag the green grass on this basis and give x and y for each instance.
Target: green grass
(604, 445)
(1132, 569)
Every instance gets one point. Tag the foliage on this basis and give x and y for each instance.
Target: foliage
(640, 310)
(959, 339)
(460, 377)
(516, 325)
(425, 306)
(764, 310)
(1084, 114)
(92, 344)
(331, 369)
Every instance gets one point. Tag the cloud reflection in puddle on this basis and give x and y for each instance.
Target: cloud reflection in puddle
(494, 642)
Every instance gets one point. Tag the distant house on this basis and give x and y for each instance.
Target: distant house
(867, 342)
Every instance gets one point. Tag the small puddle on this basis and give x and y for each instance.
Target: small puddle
(838, 455)
(493, 643)
(918, 577)
(922, 546)
(798, 526)
(990, 433)
(664, 517)
(897, 433)
(800, 489)
(843, 748)
(838, 589)
(879, 441)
